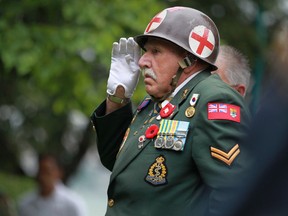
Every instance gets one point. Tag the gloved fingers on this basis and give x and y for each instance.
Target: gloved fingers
(130, 46)
(123, 46)
(133, 49)
(115, 49)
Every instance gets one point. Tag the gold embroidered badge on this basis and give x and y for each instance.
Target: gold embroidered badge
(227, 158)
(157, 172)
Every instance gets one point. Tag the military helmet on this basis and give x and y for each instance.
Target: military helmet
(188, 28)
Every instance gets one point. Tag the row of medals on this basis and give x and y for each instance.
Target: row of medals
(167, 141)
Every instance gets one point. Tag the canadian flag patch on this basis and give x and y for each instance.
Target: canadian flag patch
(222, 111)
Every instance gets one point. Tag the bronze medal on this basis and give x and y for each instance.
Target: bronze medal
(189, 112)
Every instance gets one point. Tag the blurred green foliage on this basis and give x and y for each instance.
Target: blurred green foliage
(15, 186)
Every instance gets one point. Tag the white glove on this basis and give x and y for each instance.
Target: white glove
(124, 68)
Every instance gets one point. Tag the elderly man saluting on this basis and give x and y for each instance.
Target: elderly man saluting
(174, 154)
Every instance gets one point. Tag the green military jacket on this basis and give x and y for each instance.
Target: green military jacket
(189, 178)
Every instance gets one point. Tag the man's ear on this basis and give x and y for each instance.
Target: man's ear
(241, 89)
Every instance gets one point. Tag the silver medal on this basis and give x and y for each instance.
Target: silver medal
(169, 142)
(159, 142)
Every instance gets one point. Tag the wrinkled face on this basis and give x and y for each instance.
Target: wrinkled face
(159, 64)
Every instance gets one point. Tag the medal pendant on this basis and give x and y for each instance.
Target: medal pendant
(178, 145)
(159, 142)
(190, 111)
(169, 142)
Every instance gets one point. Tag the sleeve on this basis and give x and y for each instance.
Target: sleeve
(217, 145)
(110, 130)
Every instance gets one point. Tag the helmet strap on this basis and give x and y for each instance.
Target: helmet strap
(187, 61)
(175, 78)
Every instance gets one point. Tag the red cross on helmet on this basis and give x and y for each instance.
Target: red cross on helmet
(188, 28)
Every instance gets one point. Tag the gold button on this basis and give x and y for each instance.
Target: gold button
(110, 202)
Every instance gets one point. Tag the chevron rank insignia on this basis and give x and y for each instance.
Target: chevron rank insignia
(228, 157)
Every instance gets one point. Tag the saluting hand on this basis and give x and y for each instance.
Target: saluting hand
(124, 70)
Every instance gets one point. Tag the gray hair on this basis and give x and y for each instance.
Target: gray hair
(234, 65)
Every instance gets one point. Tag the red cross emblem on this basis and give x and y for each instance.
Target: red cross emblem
(156, 21)
(202, 41)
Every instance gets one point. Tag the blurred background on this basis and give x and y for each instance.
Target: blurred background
(54, 63)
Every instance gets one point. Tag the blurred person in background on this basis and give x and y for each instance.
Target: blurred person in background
(52, 198)
(233, 68)
(263, 191)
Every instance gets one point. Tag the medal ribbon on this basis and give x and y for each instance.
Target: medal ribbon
(168, 127)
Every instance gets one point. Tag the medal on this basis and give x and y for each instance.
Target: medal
(189, 112)
(172, 135)
(169, 142)
(159, 142)
(178, 145)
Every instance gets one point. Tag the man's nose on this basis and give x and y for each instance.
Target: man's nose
(144, 61)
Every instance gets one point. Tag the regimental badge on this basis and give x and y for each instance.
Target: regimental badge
(157, 172)
(172, 135)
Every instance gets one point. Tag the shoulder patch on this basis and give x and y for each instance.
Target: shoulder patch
(222, 111)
